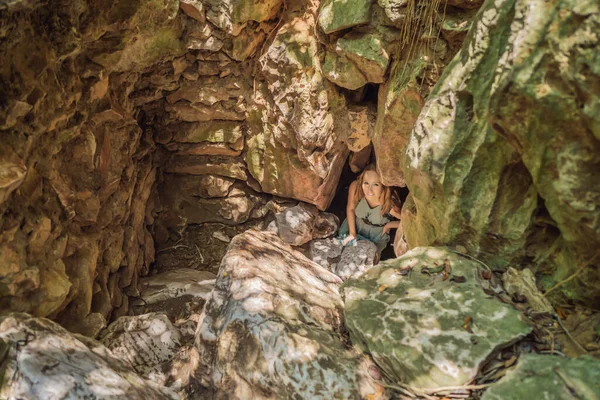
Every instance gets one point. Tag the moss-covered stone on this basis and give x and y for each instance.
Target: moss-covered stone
(512, 120)
(368, 51)
(425, 330)
(336, 15)
(548, 377)
(343, 72)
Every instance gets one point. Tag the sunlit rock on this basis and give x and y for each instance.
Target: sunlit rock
(297, 119)
(271, 328)
(488, 144)
(231, 15)
(326, 252)
(548, 377)
(362, 124)
(343, 72)
(145, 341)
(42, 360)
(368, 51)
(176, 283)
(299, 224)
(398, 107)
(336, 15)
(426, 320)
(12, 171)
(355, 260)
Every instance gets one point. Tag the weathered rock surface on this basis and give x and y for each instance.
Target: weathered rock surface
(294, 146)
(336, 15)
(42, 360)
(176, 284)
(145, 341)
(271, 327)
(423, 329)
(355, 260)
(368, 51)
(346, 262)
(302, 223)
(487, 145)
(548, 377)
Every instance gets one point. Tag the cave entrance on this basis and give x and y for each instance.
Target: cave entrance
(340, 199)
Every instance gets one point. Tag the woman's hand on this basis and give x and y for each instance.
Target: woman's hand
(348, 239)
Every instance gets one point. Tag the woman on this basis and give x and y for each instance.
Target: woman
(370, 212)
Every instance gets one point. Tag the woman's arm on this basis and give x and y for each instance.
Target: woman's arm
(350, 209)
(393, 224)
(390, 225)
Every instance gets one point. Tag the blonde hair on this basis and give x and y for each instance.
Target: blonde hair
(386, 195)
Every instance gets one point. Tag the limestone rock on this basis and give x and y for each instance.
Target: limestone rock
(213, 132)
(522, 283)
(193, 8)
(368, 51)
(362, 124)
(145, 341)
(326, 252)
(12, 171)
(394, 10)
(42, 360)
(299, 224)
(355, 260)
(294, 146)
(343, 72)
(398, 107)
(336, 15)
(415, 323)
(230, 15)
(205, 186)
(548, 377)
(207, 165)
(241, 204)
(475, 138)
(277, 309)
(176, 283)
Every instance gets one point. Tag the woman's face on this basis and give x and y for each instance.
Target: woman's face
(371, 186)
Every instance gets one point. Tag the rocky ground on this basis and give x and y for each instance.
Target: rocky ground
(165, 164)
(293, 314)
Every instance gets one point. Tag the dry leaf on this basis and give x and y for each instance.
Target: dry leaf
(487, 275)
(382, 288)
(467, 324)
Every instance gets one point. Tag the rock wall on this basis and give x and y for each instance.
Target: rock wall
(77, 169)
(502, 158)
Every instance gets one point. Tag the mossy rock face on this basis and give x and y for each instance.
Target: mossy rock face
(297, 121)
(368, 51)
(231, 15)
(550, 378)
(343, 72)
(336, 15)
(513, 120)
(424, 330)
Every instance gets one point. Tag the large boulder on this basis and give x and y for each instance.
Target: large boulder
(548, 377)
(399, 104)
(509, 123)
(145, 341)
(297, 120)
(271, 328)
(336, 15)
(42, 360)
(300, 224)
(426, 320)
